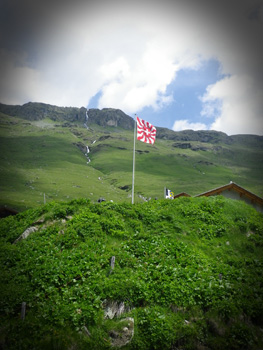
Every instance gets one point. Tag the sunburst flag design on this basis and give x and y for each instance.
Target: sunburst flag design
(146, 132)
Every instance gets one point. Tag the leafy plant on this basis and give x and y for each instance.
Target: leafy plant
(183, 268)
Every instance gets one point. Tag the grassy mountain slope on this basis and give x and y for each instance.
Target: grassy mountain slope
(45, 154)
(38, 158)
(189, 272)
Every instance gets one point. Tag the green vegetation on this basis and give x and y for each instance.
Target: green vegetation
(44, 155)
(190, 270)
(41, 157)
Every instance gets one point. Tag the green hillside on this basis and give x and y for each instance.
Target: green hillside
(43, 156)
(187, 275)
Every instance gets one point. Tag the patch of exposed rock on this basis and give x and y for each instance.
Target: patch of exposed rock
(196, 147)
(110, 117)
(124, 332)
(114, 309)
(26, 233)
(81, 146)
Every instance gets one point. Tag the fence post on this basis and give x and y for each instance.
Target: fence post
(112, 263)
(23, 310)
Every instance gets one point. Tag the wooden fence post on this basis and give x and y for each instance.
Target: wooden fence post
(112, 263)
(23, 311)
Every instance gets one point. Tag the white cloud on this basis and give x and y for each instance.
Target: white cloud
(184, 124)
(237, 104)
(142, 83)
(129, 56)
(131, 51)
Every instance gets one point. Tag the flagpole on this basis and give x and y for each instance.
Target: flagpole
(133, 168)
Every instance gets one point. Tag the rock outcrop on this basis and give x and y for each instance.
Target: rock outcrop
(26, 233)
(124, 334)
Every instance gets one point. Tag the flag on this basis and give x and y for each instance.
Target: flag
(169, 194)
(146, 132)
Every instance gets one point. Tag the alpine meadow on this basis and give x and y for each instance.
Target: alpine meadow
(84, 268)
(44, 151)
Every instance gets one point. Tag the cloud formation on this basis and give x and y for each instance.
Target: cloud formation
(65, 53)
(184, 124)
(237, 104)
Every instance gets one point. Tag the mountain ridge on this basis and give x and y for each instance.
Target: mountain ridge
(112, 117)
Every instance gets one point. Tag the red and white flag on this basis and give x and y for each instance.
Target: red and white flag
(146, 132)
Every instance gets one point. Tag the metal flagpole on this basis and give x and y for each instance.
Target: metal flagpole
(133, 168)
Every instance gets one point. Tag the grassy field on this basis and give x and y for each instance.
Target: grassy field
(42, 158)
(189, 272)
(39, 159)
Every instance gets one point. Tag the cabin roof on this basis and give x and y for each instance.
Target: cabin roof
(233, 186)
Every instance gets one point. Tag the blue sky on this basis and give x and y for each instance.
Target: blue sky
(180, 64)
(186, 105)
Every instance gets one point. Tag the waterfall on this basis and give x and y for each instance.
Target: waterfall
(86, 126)
(87, 117)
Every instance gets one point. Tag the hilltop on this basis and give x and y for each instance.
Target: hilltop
(56, 153)
(181, 274)
(39, 111)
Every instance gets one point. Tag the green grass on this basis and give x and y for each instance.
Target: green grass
(39, 157)
(37, 161)
(190, 270)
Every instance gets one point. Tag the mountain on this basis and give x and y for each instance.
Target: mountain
(57, 153)
(39, 111)
(110, 117)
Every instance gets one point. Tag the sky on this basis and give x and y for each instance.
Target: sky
(179, 64)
